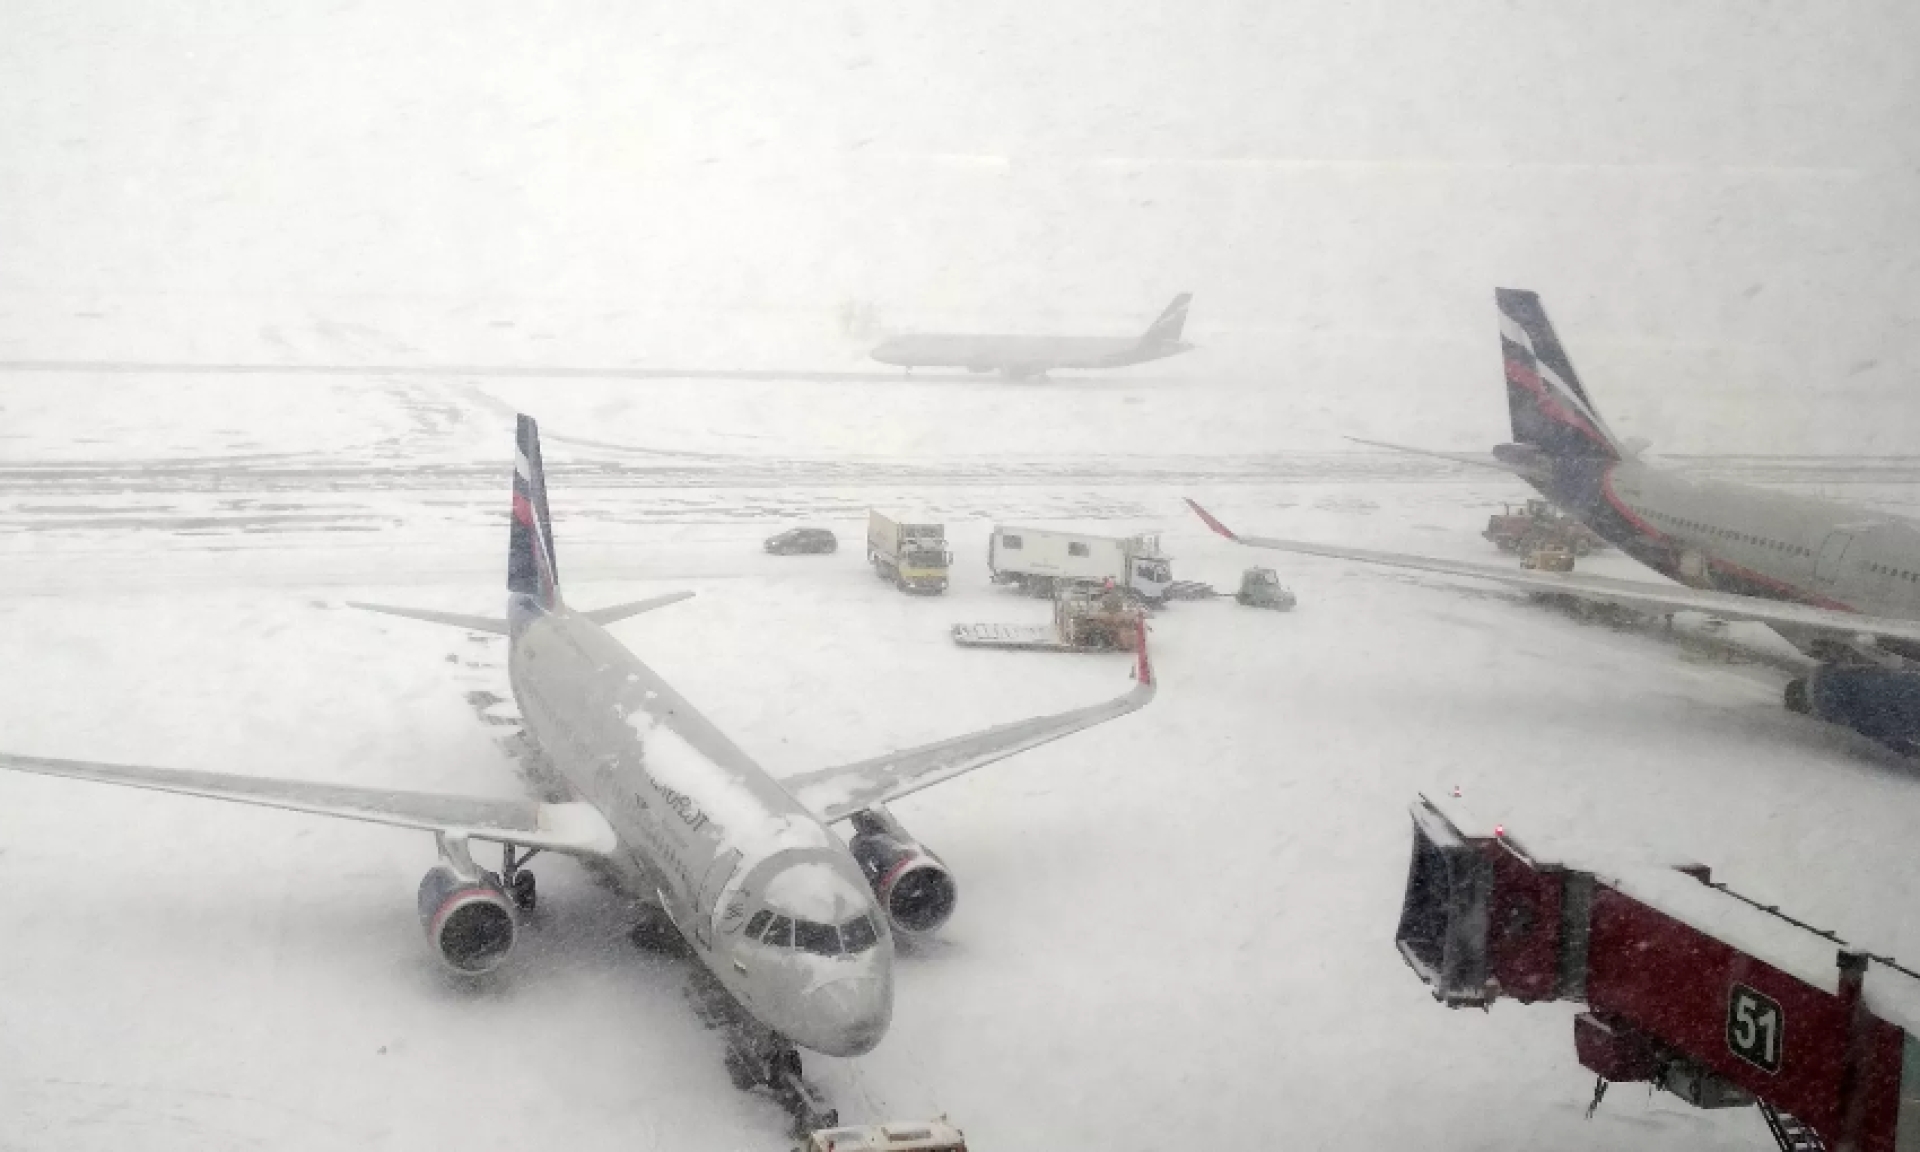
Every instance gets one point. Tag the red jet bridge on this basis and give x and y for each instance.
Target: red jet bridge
(1689, 987)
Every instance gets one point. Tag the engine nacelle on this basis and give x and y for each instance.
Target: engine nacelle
(1875, 702)
(469, 922)
(912, 885)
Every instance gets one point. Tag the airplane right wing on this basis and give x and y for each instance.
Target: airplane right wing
(1477, 459)
(839, 792)
(1627, 593)
(574, 829)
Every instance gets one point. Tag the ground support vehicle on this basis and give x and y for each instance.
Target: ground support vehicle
(1083, 621)
(1549, 558)
(918, 1136)
(1261, 588)
(1040, 560)
(1690, 987)
(1538, 524)
(912, 555)
(1190, 590)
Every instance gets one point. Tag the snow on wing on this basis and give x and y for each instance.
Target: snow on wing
(574, 829)
(837, 793)
(1629, 593)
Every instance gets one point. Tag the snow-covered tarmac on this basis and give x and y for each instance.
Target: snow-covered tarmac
(1174, 930)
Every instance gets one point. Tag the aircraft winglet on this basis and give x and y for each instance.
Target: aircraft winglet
(1211, 521)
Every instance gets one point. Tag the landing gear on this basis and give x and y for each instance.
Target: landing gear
(523, 893)
(518, 882)
(773, 1063)
(759, 1058)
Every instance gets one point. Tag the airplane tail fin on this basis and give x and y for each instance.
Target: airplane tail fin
(532, 569)
(1166, 330)
(1549, 408)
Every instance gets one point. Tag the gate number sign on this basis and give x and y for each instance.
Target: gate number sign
(1756, 1028)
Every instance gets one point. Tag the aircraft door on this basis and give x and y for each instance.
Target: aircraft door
(707, 911)
(1827, 568)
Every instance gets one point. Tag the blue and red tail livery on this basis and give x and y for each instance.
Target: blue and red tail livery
(532, 569)
(1549, 408)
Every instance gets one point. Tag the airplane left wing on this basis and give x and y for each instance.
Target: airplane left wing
(1627, 593)
(839, 792)
(574, 829)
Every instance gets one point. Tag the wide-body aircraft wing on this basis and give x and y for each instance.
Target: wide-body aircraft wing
(574, 829)
(1476, 459)
(839, 792)
(1626, 593)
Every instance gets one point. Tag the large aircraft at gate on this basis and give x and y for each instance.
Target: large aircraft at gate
(1839, 581)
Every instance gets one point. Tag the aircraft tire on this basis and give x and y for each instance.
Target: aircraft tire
(524, 891)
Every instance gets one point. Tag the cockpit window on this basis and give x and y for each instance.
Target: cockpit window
(855, 935)
(820, 938)
(858, 934)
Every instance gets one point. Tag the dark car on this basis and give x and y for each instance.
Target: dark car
(795, 540)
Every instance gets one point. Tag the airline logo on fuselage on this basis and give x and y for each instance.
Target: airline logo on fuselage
(680, 804)
(636, 806)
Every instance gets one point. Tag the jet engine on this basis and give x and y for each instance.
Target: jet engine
(912, 885)
(1875, 702)
(469, 921)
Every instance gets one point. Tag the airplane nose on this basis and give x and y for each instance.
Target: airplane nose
(850, 1015)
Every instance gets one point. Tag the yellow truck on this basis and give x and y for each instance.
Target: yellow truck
(911, 554)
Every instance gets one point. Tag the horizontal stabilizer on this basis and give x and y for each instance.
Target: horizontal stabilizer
(614, 612)
(452, 619)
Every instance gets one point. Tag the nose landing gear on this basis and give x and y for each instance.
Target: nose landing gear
(759, 1058)
(774, 1064)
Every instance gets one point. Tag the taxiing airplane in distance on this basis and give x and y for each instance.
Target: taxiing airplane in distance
(794, 923)
(1021, 357)
(1839, 581)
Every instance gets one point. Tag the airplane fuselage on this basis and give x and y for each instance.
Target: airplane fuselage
(1746, 540)
(1020, 355)
(706, 833)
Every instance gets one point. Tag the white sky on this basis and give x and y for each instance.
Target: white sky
(1720, 201)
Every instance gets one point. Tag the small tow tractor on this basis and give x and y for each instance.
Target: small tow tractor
(920, 1136)
(1261, 588)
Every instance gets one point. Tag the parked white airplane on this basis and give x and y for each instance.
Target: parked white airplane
(794, 923)
(1839, 581)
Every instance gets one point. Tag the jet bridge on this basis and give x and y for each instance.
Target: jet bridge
(1689, 986)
